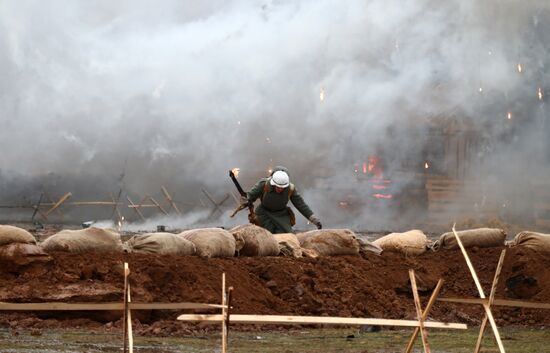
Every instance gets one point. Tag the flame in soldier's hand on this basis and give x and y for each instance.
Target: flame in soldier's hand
(236, 171)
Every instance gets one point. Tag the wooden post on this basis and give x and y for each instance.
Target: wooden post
(431, 302)
(125, 312)
(229, 297)
(481, 293)
(491, 299)
(129, 323)
(423, 333)
(134, 206)
(170, 200)
(224, 316)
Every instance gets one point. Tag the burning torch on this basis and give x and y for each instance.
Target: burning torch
(251, 215)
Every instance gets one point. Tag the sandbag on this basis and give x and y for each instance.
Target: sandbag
(84, 240)
(161, 243)
(412, 242)
(257, 241)
(22, 254)
(537, 241)
(211, 242)
(330, 242)
(289, 245)
(480, 237)
(11, 234)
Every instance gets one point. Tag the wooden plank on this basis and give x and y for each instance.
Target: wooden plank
(169, 198)
(418, 308)
(158, 205)
(57, 306)
(425, 314)
(491, 299)
(134, 206)
(58, 203)
(480, 290)
(291, 320)
(498, 302)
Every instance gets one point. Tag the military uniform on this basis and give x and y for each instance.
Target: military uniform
(272, 213)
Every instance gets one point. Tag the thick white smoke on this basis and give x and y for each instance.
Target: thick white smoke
(178, 92)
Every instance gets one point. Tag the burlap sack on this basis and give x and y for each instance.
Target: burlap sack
(480, 237)
(11, 234)
(211, 242)
(22, 254)
(258, 241)
(412, 242)
(84, 240)
(330, 242)
(289, 245)
(536, 241)
(161, 243)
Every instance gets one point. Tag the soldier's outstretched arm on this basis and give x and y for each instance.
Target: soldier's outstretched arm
(256, 190)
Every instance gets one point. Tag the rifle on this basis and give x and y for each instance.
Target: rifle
(250, 205)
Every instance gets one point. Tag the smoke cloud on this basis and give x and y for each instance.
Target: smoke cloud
(98, 96)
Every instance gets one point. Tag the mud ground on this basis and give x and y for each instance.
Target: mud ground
(371, 286)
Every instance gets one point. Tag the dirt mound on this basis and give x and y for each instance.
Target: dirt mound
(376, 286)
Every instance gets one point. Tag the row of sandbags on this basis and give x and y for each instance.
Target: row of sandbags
(245, 240)
(415, 242)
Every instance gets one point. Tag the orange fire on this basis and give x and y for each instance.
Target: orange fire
(236, 172)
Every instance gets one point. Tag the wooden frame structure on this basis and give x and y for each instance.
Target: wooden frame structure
(420, 325)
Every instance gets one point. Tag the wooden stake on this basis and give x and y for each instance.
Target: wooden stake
(224, 316)
(491, 299)
(124, 315)
(129, 323)
(229, 296)
(169, 198)
(423, 333)
(425, 314)
(481, 293)
(136, 208)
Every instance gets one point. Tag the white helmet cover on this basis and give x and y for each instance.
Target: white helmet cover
(280, 179)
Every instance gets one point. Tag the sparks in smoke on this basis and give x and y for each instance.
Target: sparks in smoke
(509, 115)
(238, 122)
(540, 94)
(480, 89)
(322, 94)
(520, 68)
(268, 140)
(426, 165)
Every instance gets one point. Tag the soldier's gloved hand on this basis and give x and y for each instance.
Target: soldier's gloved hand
(313, 219)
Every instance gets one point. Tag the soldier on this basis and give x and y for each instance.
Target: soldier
(274, 193)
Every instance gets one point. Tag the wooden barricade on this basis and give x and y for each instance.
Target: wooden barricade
(451, 200)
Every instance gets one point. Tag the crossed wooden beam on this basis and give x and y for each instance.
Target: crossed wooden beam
(486, 304)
